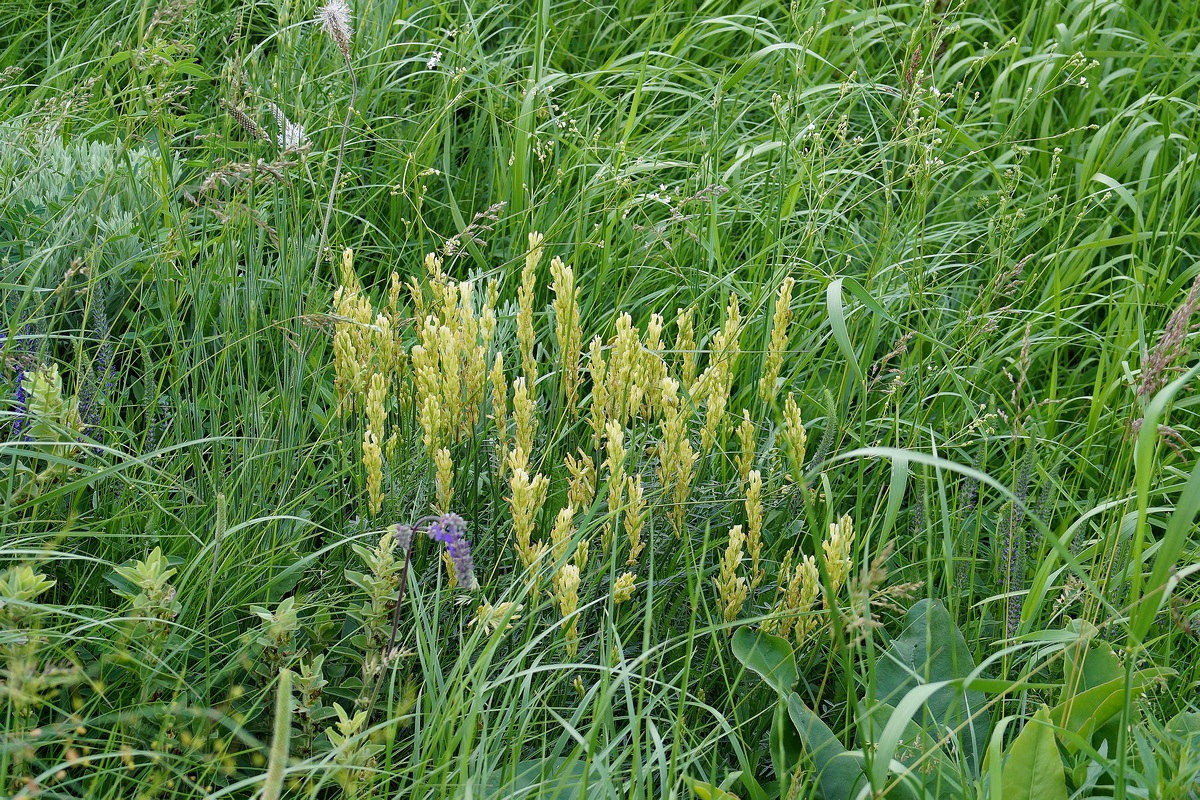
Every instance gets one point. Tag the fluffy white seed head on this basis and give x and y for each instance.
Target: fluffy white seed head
(334, 17)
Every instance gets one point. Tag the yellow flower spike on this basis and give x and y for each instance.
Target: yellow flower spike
(653, 367)
(345, 369)
(533, 256)
(394, 287)
(432, 423)
(623, 588)
(745, 456)
(451, 573)
(444, 480)
(685, 346)
(500, 408)
(517, 459)
(626, 381)
(634, 518)
(598, 369)
(527, 495)
(376, 405)
(525, 415)
(490, 617)
(581, 489)
(487, 318)
(837, 554)
(560, 534)
(526, 337)
(754, 524)
(474, 381)
(373, 462)
(567, 329)
(451, 375)
(778, 342)
(801, 599)
(615, 462)
(717, 380)
(382, 341)
(794, 434)
(566, 592)
(676, 458)
(417, 295)
(348, 277)
(732, 589)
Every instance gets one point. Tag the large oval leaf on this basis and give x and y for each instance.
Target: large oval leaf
(770, 657)
(1034, 769)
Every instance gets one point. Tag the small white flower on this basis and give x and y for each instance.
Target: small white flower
(434, 60)
(291, 136)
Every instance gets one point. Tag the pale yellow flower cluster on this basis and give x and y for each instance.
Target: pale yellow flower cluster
(443, 480)
(754, 527)
(365, 342)
(639, 411)
(746, 447)
(676, 456)
(836, 548)
(526, 338)
(527, 495)
(627, 382)
(623, 588)
(685, 346)
(796, 610)
(732, 588)
(581, 490)
(778, 343)
(450, 358)
(567, 329)
(369, 361)
(715, 383)
(794, 434)
(567, 575)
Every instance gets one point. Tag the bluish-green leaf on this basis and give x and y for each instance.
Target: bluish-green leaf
(839, 772)
(770, 657)
(931, 650)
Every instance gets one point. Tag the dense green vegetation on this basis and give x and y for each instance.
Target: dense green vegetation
(648, 399)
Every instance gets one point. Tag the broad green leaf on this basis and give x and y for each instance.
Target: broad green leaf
(1186, 726)
(770, 657)
(916, 750)
(1092, 663)
(839, 772)
(1088, 710)
(1034, 769)
(932, 650)
(786, 745)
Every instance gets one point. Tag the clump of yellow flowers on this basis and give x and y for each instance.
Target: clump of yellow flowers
(640, 428)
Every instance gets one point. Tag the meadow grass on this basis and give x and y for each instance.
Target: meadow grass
(844, 403)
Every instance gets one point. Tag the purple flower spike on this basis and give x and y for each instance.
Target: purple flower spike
(451, 530)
